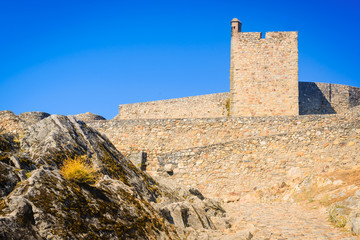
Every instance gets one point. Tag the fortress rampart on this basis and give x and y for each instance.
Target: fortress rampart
(327, 98)
(314, 98)
(204, 106)
(160, 136)
(236, 167)
(210, 153)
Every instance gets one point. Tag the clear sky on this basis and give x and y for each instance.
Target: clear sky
(76, 56)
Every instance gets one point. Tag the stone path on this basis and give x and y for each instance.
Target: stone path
(285, 221)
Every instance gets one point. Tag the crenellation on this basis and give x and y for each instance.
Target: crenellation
(248, 36)
(285, 36)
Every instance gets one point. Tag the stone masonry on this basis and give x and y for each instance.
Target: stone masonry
(240, 153)
(326, 98)
(314, 98)
(263, 73)
(162, 136)
(188, 107)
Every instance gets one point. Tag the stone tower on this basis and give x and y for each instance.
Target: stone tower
(263, 73)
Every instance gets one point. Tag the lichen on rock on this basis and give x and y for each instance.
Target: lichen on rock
(37, 202)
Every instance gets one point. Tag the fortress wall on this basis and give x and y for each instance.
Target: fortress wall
(204, 106)
(326, 98)
(313, 98)
(264, 74)
(260, 162)
(160, 136)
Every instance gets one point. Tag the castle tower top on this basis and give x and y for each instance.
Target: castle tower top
(235, 26)
(263, 73)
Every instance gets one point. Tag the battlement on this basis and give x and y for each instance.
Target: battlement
(268, 36)
(282, 35)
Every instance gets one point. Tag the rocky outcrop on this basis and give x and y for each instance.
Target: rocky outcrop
(10, 122)
(88, 117)
(17, 124)
(37, 202)
(33, 117)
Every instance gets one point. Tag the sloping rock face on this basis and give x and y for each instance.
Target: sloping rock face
(33, 117)
(37, 202)
(10, 123)
(16, 124)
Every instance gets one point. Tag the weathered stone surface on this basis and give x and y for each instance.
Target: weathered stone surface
(264, 73)
(10, 123)
(240, 153)
(295, 172)
(88, 116)
(314, 98)
(188, 107)
(33, 117)
(355, 224)
(124, 203)
(159, 136)
(138, 159)
(8, 179)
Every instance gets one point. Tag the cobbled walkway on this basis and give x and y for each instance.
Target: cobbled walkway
(285, 221)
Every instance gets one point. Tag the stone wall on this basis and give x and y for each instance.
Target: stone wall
(204, 106)
(326, 98)
(234, 168)
(264, 74)
(159, 136)
(314, 98)
(213, 153)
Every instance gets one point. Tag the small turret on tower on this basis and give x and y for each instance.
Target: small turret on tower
(235, 26)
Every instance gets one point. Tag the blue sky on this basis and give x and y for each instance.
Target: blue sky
(70, 57)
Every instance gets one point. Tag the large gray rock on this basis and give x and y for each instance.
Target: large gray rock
(8, 179)
(192, 210)
(10, 123)
(33, 117)
(88, 117)
(37, 202)
(355, 224)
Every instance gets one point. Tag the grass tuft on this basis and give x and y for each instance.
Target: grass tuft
(336, 217)
(227, 106)
(77, 170)
(28, 174)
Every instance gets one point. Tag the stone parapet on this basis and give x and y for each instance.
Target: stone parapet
(204, 106)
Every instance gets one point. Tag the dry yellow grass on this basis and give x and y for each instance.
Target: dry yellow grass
(78, 170)
(336, 217)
